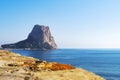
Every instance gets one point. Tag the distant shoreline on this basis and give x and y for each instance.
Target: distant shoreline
(62, 48)
(25, 49)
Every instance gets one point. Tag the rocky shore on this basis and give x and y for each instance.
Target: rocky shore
(16, 67)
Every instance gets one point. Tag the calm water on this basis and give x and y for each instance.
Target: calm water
(105, 63)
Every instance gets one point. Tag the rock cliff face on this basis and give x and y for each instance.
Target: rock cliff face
(39, 38)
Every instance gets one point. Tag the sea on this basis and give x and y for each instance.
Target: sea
(103, 62)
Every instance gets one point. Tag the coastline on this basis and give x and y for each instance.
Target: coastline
(25, 68)
(25, 49)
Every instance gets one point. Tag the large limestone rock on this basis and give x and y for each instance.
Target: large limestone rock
(39, 38)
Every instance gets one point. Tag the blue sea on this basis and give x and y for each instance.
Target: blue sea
(105, 63)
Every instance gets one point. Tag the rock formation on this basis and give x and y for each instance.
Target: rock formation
(40, 38)
(16, 67)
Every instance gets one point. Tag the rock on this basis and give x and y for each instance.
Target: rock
(39, 38)
(54, 66)
(73, 74)
(17, 67)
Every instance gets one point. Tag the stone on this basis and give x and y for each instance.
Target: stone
(35, 69)
(40, 38)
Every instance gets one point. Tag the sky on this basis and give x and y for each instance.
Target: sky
(73, 23)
